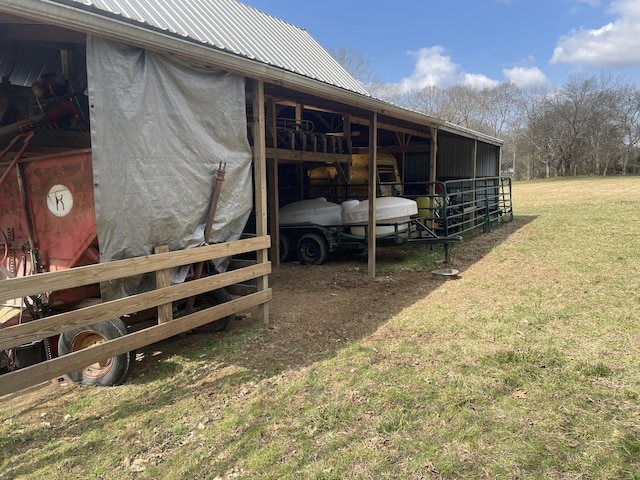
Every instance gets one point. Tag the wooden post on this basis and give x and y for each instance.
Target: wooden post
(163, 279)
(346, 132)
(474, 165)
(274, 214)
(260, 182)
(474, 171)
(406, 138)
(272, 187)
(433, 171)
(433, 163)
(373, 188)
(299, 167)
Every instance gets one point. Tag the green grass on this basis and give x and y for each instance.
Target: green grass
(525, 367)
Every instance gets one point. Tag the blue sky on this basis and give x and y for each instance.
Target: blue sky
(417, 43)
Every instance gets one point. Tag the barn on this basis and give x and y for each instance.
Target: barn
(146, 143)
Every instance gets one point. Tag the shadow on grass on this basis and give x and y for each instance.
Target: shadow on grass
(316, 311)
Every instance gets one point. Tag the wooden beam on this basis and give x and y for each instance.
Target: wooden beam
(163, 279)
(274, 211)
(41, 372)
(373, 188)
(62, 322)
(474, 169)
(285, 155)
(272, 187)
(391, 127)
(260, 183)
(396, 149)
(433, 163)
(103, 272)
(295, 98)
(271, 117)
(341, 173)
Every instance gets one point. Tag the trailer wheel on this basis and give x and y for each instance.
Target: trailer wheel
(112, 371)
(285, 247)
(312, 249)
(213, 298)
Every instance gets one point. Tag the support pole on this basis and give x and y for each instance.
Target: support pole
(474, 186)
(373, 188)
(273, 203)
(433, 174)
(433, 163)
(260, 182)
(163, 279)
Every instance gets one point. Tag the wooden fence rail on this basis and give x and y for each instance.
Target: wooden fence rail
(103, 272)
(158, 298)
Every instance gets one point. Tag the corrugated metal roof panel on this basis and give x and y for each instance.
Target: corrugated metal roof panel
(235, 28)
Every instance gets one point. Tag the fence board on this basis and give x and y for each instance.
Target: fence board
(23, 378)
(163, 279)
(102, 272)
(49, 326)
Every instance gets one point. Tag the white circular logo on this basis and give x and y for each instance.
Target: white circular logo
(59, 200)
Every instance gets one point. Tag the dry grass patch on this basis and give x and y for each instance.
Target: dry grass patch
(525, 367)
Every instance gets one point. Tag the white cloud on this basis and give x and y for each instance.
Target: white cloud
(477, 80)
(434, 68)
(591, 3)
(525, 77)
(616, 44)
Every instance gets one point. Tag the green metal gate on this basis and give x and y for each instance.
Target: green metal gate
(454, 207)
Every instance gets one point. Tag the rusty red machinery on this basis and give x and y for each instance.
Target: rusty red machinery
(48, 223)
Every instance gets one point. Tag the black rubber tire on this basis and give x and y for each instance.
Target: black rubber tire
(213, 298)
(113, 371)
(312, 249)
(285, 247)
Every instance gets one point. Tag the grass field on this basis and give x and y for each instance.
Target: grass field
(525, 367)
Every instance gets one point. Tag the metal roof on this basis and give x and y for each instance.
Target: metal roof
(233, 27)
(228, 35)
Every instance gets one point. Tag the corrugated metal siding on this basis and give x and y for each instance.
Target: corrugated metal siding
(487, 162)
(455, 157)
(233, 27)
(416, 167)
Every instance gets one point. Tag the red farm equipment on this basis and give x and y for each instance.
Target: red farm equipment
(48, 224)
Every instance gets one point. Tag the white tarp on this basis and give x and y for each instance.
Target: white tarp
(159, 130)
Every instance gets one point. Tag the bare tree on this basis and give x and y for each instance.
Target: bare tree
(576, 129)
(499, 106)
(354, 62)
(628, 118)
(589, 125)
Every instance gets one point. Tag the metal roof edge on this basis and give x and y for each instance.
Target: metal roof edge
(94, 24)
(138, 35)
(467, 132)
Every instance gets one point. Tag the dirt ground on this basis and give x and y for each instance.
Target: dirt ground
(315, 311)
(318, 309)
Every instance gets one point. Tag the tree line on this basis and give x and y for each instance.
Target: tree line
(588, 126)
